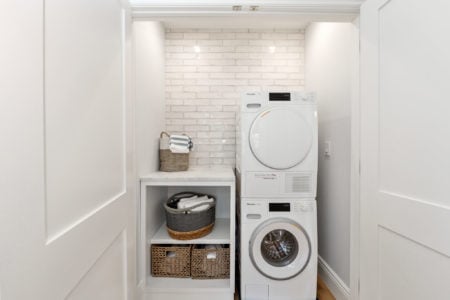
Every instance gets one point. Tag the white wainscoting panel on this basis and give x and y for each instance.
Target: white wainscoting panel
(417, 263)
(84, 110)
(107, 277)
(412, 134)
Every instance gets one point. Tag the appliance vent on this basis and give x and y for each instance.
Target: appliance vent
(298, 183)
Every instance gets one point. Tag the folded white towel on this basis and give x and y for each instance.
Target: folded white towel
(188, 203)
(180, 143)
(201, 208)
(179, 137)
(187, 199)
(178, 149)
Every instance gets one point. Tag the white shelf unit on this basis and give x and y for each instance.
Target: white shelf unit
(156, 188)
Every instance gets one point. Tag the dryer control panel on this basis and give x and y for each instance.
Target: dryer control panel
(253, 101)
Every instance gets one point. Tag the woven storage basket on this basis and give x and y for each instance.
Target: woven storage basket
(168, 161)
(185, 224)
(171, 261)
(210, 263)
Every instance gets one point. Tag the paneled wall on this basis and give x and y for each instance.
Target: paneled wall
(207, 70)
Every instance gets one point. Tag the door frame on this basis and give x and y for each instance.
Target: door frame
(161, 9)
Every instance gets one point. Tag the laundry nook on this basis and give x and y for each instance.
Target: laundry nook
(251, 104)
(224, 150)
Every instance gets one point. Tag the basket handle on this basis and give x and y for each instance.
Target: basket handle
(163, 133)
(168, 135)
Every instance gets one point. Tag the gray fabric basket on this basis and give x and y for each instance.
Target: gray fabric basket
(186, 220)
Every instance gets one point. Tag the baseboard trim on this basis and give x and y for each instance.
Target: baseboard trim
(339, 289)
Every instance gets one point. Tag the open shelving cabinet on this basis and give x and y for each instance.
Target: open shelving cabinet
(156, 188)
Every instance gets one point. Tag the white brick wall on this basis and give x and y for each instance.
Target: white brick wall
(203, 89)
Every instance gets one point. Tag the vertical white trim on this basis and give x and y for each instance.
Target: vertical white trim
(44, 125)
(124, 238)
(355, 167)
(126, 143)
(129, 154)
(124, 100)
(337, 287)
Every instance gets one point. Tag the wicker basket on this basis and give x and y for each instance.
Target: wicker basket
(171, 261)
(168, 161)
(210, 263)
(185, 224)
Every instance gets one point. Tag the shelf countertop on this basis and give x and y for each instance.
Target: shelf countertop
(219, 235)
(195, 174)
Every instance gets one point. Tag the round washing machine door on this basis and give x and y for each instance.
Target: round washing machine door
(280, 138)
(280, 249)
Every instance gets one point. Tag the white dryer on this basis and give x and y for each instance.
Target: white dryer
(276, 144)
(278, 240)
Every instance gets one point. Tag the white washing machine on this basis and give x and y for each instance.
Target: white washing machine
(278, 249)
(276, 143)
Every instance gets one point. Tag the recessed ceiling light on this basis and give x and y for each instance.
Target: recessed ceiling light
(237, 7)
(197, 49)
(254, 8)
(272, 49)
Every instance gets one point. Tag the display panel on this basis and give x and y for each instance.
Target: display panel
(279, 207)
(279, 96)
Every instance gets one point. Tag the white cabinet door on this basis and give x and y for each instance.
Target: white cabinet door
(67, 227)
(405, 161)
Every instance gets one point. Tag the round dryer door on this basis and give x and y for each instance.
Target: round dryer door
(280, 249)
(280, 138)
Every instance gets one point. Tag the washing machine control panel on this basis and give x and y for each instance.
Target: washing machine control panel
(257, 209)
(253, 210)
(302, 207)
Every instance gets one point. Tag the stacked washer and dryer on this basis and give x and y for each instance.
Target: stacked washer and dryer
(276, 162)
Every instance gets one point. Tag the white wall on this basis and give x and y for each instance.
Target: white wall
(148, 45)
(204, 88)
(328, 72)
